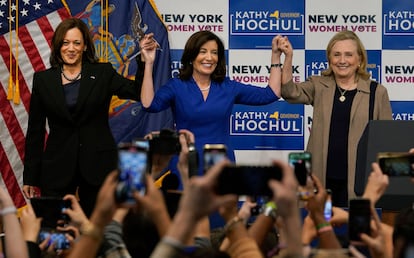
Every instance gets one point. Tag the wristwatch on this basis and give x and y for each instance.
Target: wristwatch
(270, 210)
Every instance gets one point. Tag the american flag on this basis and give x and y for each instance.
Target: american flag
(28, 49)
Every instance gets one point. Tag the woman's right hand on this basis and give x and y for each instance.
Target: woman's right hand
(285, 46)
(148, 47)
(30, 191)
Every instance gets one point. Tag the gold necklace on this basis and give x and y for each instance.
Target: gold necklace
(342, 98)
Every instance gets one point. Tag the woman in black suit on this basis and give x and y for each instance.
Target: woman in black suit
(74, 97)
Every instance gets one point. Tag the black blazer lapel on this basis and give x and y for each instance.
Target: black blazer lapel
(54, 84)
(88, 82)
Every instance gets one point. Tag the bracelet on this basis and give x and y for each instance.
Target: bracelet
(173, 242)
(90, 229)
(325, 229)
(229, 226)
(8, 210)
(276, 65)
(322, 225)
(270, 210)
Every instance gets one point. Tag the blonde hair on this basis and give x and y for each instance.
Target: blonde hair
(344, 35)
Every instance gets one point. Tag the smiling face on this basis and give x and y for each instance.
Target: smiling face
(206, 60)
(344, 59)
(72, 47)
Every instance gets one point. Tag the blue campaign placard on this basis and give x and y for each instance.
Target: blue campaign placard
(398, 24)
(402, 110)
(277, 126)
(253, 24)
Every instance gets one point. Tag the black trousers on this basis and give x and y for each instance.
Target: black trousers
(86, 192)
(339, 190)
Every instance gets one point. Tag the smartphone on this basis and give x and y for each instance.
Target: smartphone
(260, 205)
(359, 218)
(396, 163)
(247, 180)
(50, 210)
(58, 239)
(327, 212)
(302, 164)
(212, 154)
(133, 167)
(165, 142)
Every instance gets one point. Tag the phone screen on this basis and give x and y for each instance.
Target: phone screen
(247, 180)
(132, 165)
(396, 164)
(58, 239)
(302, 164)
(327, 212)
(212, 154)
(359, 218)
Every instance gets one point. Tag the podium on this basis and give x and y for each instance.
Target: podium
(385, 136)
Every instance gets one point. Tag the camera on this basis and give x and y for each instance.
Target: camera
(133, 167)
(58, 239)
(165, 142)
(396, 163)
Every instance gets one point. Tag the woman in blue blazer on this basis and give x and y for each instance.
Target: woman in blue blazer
(72, 98)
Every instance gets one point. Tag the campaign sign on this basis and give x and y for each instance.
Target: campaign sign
(277, 126)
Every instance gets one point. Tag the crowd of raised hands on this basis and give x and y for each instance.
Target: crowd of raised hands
(188, 233)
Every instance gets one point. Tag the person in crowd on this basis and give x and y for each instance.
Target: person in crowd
(202, 97)
(403, 235)
(344, 99)
(380, 240)
(49, 246)
(12, 243)
(73, 96)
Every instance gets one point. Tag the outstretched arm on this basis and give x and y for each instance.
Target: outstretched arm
(148, 50)
(14, 241)
(275, 67)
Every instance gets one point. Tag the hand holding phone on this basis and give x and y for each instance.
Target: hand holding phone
(133, 167)
(212, 154)
(359, 219)
(327, 212)
(396, 163)
(58, 239)
(50, 208)
(302, 165)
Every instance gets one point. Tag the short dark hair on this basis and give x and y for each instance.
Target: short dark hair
(192, 49)
(57, 41)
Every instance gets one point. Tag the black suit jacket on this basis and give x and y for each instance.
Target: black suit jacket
(80, 141)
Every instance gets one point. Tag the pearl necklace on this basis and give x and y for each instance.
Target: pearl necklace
(71, 79)
(206, 88)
